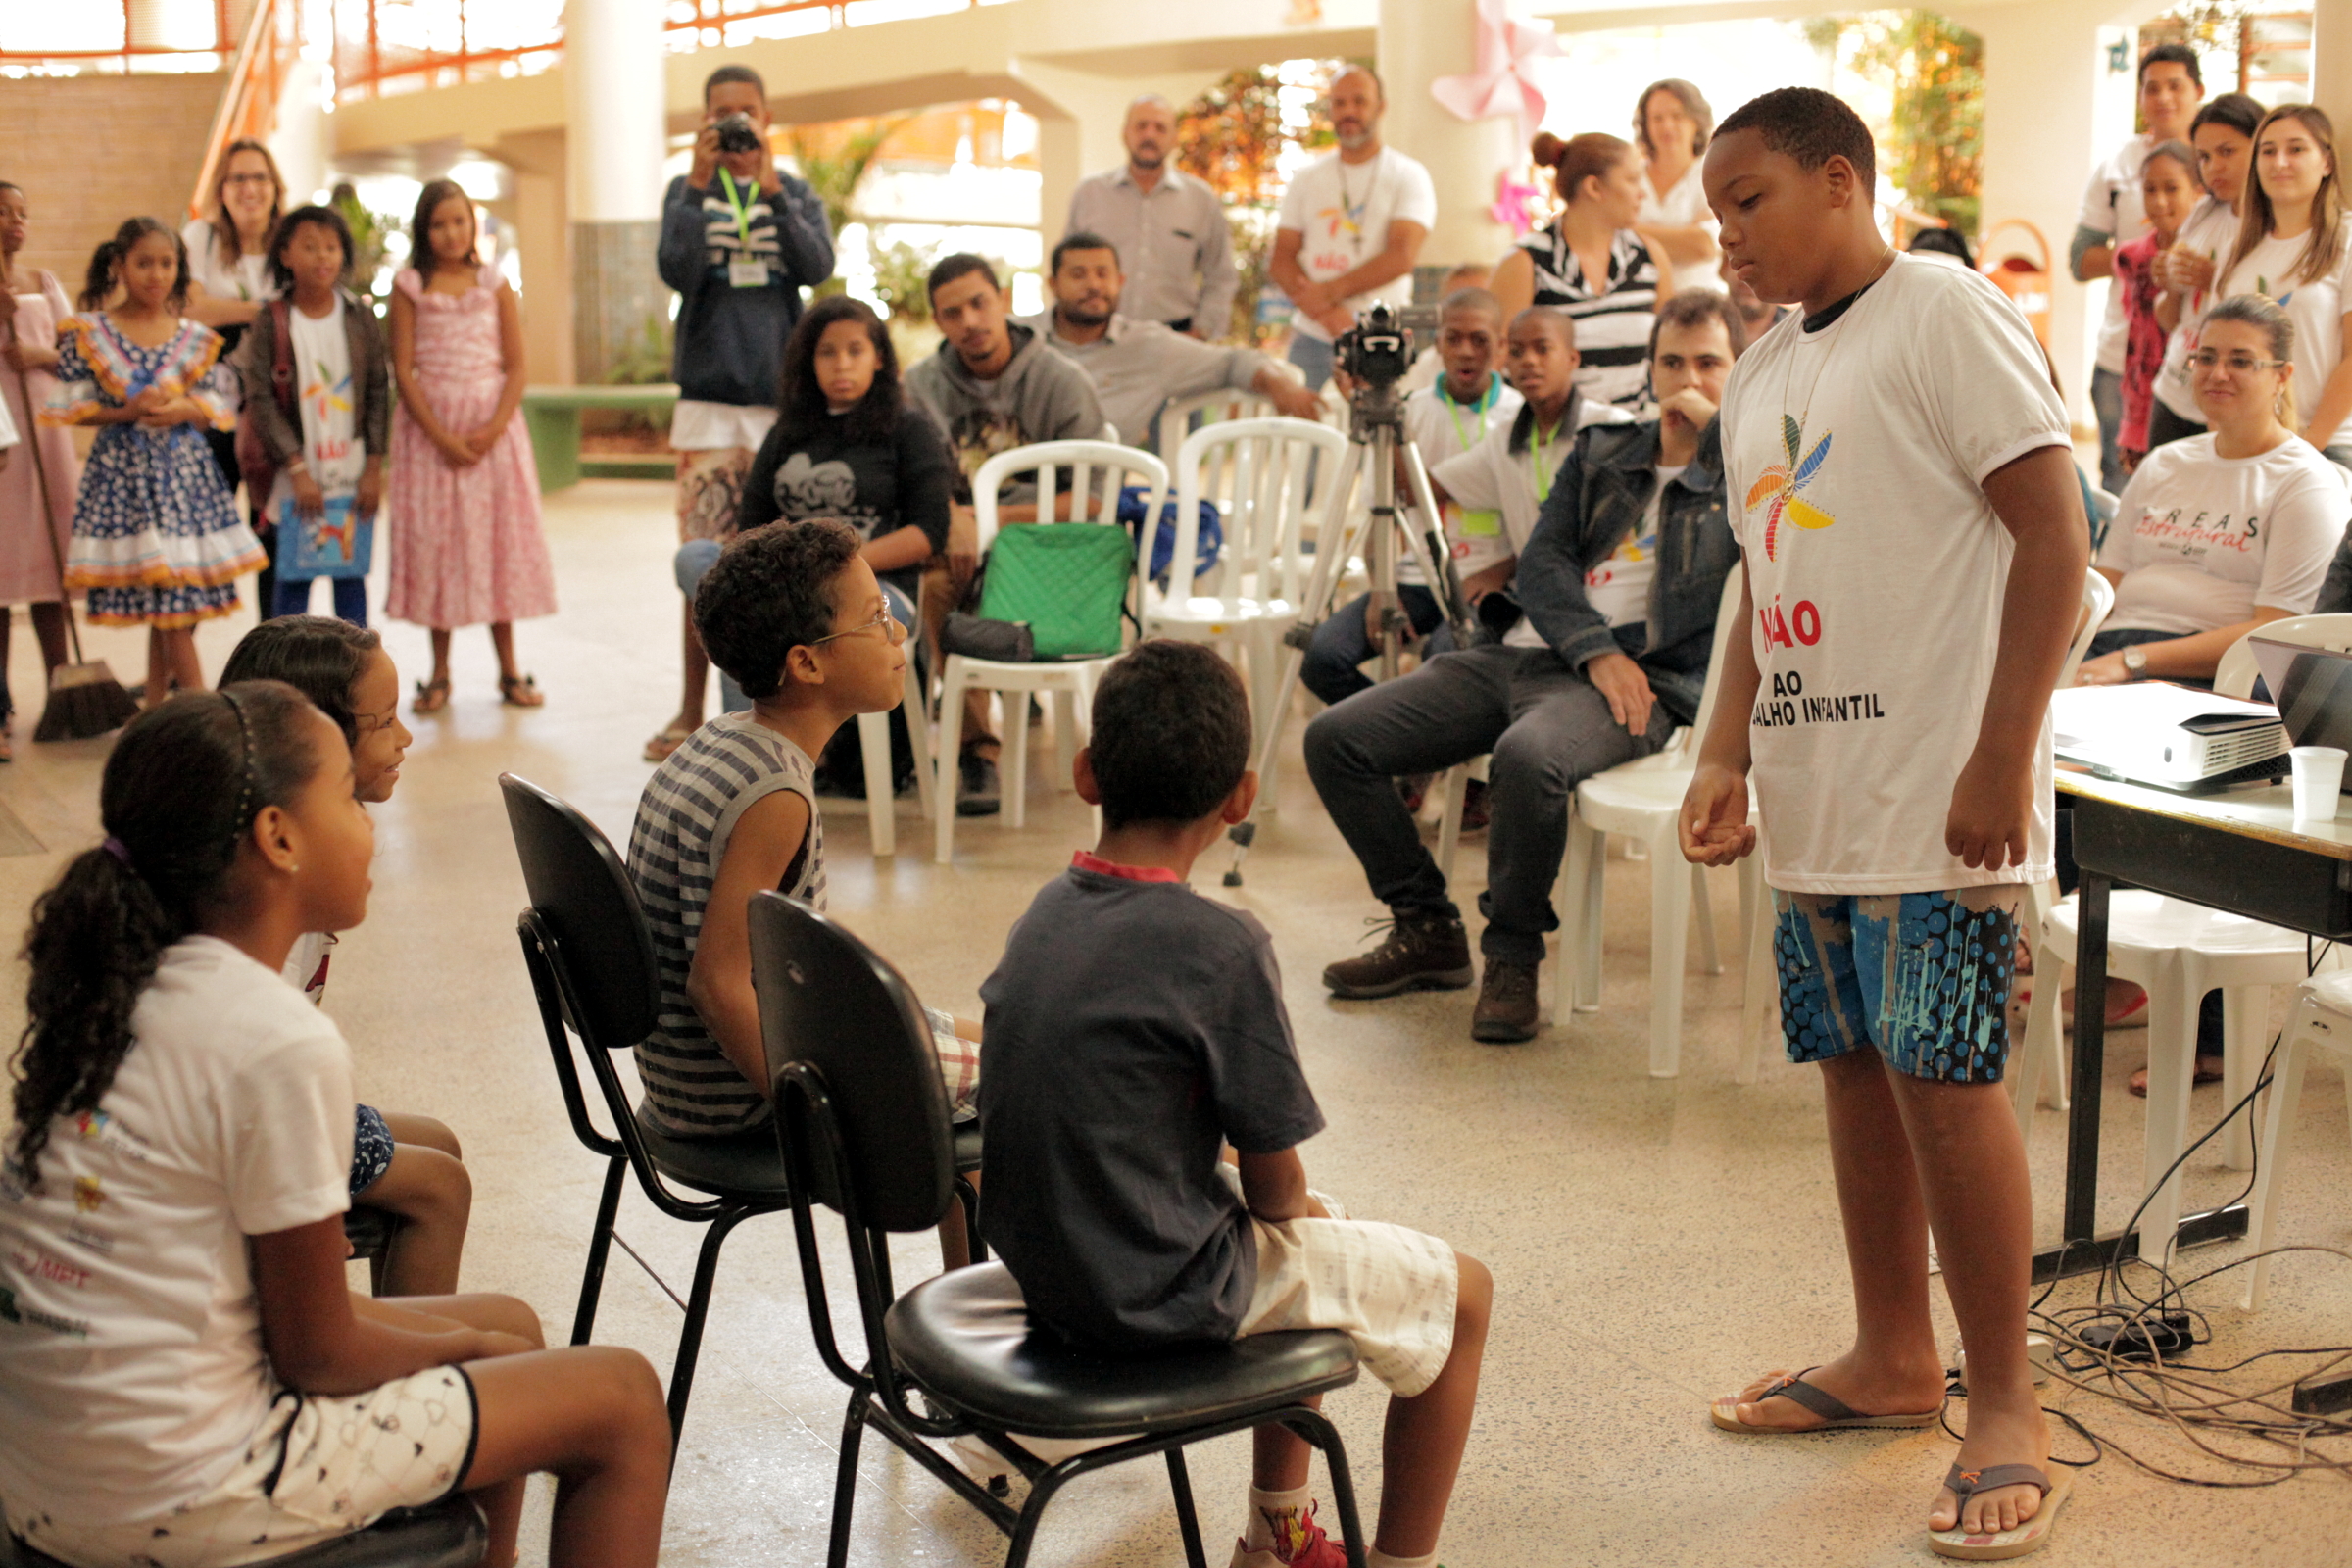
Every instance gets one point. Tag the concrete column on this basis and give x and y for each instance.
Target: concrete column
(2331, 57)
(1421, 40)
(1080, 116)
(612, 102)
(543, 241)
(2054, 107)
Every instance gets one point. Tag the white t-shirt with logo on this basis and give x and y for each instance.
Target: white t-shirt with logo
(2316, 306)
(2112, 206)
(2202, 539)
(1490, 476)
(324, 401)
(1618, 587)
(1442, 428)
(2211, 232)
(1878, 569)
(133, 1373)
(1344, 211)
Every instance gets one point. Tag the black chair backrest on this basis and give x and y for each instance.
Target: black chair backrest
(828, 1000)
(583, 896)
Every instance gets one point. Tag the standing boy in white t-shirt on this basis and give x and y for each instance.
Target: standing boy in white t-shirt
(1915, 552)
(1350, 226)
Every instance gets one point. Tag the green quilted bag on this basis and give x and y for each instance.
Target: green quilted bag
(1067, 581)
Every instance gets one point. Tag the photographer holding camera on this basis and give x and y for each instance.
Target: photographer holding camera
(740, 240)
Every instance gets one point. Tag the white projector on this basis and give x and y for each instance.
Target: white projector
(2174, 737)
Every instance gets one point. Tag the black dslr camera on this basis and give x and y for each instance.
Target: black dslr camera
(736, 134)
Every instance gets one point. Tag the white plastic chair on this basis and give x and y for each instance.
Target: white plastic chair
(1094, 471)
(1269, 476)
(873, 744)
(2321, 1027)
(1174, 421)
(2177, 951)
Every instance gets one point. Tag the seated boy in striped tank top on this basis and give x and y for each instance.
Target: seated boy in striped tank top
(797, 620)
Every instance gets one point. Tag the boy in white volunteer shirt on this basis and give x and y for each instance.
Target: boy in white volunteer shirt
(1915, 550)
(1350, 226)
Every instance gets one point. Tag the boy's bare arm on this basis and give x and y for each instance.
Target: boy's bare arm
(1274, 1186)
(2040, 504)
(759, 852)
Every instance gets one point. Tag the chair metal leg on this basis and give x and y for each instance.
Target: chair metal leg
(698, 1308)
(1343, 1487)
(881, 809)
(600, 1248)
(975, 1249)
(845, 1480)
(1041, 1488)
(1180, 1482)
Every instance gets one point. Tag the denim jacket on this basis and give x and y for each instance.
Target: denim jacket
(1596, 500)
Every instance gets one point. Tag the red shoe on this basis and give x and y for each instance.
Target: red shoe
(1307, 1547)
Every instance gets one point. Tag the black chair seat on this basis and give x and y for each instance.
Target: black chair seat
(966, 1137)
(965, 1337)
(368, 1230)
(749, 1165)
(450, 1533)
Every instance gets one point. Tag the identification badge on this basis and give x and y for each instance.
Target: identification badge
(1482, 525)
(747, 274)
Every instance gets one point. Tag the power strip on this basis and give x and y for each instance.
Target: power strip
(2142, 1339)
(2038, 1350)
(2323, 1396)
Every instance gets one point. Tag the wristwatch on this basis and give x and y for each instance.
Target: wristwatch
(2135, 659)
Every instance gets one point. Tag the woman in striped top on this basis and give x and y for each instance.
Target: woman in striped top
(1592, 264)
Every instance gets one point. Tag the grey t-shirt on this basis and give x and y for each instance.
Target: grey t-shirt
(1133, 1027)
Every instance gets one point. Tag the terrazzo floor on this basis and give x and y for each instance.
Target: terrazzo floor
(1654, 1243)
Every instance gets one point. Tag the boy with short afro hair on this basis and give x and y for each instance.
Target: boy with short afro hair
(797, 619)
(1134, 1030)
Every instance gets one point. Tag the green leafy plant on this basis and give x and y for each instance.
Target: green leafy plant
(836, 168)
(1936, 69)
(901, 272)
(371, 234)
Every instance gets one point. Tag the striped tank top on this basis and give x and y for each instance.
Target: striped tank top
(684, 818)
(1612, 323)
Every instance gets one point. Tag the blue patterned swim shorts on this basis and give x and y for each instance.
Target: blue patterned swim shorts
(370, 1150)
(1921, 977)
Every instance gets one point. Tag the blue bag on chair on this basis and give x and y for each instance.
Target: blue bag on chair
(1211, 537)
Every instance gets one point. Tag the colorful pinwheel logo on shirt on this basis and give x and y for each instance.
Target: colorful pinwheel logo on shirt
(1781, 484)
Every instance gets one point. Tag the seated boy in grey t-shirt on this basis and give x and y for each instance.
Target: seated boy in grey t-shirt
(1134, 1029)
(794, 615)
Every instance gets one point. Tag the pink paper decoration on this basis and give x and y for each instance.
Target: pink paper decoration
(1514, 204)
(1504, 82)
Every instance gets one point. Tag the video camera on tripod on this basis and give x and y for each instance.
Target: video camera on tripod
(1378, 350)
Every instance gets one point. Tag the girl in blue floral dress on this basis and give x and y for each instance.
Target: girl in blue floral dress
(156, 540)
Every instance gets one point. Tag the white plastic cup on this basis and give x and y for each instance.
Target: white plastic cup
(2319, 781)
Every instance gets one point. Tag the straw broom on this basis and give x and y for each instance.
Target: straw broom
(84, 698)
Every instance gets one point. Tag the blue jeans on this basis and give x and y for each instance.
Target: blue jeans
(2107, 397)
(1329, 669)
(292, 597)
(695, 558)
(1313, 356)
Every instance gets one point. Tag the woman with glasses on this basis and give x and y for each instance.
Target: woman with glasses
(229, 282)
(2218, 533)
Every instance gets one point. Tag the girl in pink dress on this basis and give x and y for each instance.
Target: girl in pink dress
(45, 472)
(463, 511)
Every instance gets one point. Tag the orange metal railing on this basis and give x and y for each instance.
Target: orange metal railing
(256, 79)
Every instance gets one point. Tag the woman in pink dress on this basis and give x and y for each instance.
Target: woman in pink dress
(44, 473)
(463, 498)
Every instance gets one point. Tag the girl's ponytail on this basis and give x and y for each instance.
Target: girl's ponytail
(178, 799)
(100, 281)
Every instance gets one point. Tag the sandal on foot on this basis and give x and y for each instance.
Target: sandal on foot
(1996, 1545)
(432, 695)
(521, 691)
(1835, 1414)
(669, 740)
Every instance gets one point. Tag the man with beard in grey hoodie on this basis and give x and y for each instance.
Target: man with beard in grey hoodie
(992, 386)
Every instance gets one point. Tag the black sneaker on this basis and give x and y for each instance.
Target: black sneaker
(978, 794)
(1422, 953)
(1506, 1012)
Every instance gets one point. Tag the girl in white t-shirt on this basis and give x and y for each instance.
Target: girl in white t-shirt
(2292, 247)
(185, 1379)
(2220, 533)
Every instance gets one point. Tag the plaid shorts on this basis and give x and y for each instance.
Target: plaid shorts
(1921, 978)
(710, 491)
(959, 1065)
(319, 1469)
(1389, 1289)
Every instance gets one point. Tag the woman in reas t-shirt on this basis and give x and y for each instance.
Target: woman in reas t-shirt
(1593, 265)
(2219, 532)
(2291, 248)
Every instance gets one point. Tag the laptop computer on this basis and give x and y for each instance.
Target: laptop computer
(2313, 687)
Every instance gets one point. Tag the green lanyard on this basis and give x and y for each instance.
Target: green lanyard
(1539, 469)
(743, 221)
(1462, 432)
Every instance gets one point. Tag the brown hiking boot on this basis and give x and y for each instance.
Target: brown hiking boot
(1422, 953)
(1506, 1012)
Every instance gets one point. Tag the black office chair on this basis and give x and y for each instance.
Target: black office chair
(449, 1533)
(591, 961)
(863, 1119)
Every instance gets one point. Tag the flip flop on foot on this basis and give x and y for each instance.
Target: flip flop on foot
(432, 695)
(1835, 1414)
(669, 740)
(1996, 1546)
(521, 691)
